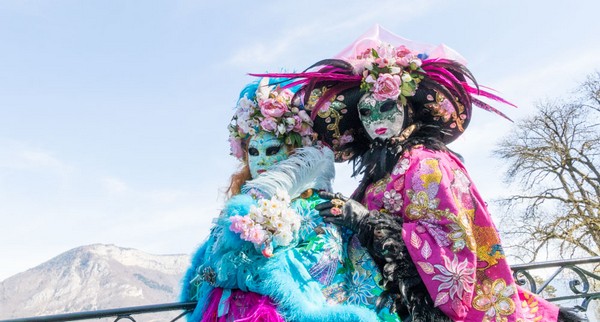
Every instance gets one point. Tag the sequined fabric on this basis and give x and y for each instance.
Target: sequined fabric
(451, 239)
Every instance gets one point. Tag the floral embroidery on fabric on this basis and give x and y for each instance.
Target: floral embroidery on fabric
(495, 299)
(307, 226)
(460, 230)
(443, 109)
(453, 241)
(358, 280)
(456, 277)
(426, 213)
(421, 207)
(530, 308)
(380, 185)
(401, 167)
(392, 201)
(398, 184)
(324, 270)
(359, 290)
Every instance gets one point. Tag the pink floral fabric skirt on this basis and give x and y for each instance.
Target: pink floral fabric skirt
(240, 306)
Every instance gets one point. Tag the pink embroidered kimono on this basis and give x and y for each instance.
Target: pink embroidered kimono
(452, 240)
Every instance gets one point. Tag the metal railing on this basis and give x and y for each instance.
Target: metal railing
(124, 313)
(580, 281)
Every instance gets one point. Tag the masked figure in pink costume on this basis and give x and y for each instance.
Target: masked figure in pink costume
(391, 106)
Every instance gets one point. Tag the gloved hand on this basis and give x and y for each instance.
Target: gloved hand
(341, 211)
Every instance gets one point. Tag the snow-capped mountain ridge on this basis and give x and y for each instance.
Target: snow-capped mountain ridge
(93, 277)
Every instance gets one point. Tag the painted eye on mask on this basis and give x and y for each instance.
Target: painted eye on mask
(387, 106)
(273, 150)
(253, 151)
(365, 112)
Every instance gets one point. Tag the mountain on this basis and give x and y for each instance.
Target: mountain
(91, 278)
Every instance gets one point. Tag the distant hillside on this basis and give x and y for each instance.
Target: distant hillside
(90, 278)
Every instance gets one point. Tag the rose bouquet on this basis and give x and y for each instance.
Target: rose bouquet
(269, 224)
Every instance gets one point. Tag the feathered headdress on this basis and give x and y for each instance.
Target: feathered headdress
(267, 106)
(390, 67)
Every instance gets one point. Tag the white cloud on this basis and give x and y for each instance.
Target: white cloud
(21, 156)
(556, 76)
(264, 52)
(114, 185)
(285, 47)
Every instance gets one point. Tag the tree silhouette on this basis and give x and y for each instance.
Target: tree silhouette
(553, 158)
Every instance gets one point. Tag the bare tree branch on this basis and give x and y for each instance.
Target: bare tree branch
(553, 157)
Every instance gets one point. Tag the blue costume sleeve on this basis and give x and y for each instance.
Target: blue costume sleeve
(293, 277)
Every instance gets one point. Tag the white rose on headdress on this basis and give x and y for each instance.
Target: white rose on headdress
(243, 122)
(246, 105)
(281, 129)
(264, 90)
(395, 70)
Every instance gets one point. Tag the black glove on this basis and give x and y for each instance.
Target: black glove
(341, 211)
(571, 314)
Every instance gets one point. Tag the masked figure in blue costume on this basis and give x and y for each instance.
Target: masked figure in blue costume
(270, 256)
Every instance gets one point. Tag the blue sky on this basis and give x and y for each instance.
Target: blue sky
(113, 114)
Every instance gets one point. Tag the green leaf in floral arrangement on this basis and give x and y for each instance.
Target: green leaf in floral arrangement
(374, 52)
(414, 66)
(403, 100)
(365, 87)
(408, 88)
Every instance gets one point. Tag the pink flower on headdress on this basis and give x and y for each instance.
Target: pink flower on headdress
(367, 53)
(268, 124)
(272, 107)
(298, 123)
(236, 147)
(387, 86)
(409, 60)
(382, 62)
(402, 51)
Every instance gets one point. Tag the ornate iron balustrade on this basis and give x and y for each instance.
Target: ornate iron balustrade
(120, 314)
(580, 280)
(580, 283)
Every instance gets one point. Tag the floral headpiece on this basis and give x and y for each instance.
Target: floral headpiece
(429, 79)
(389, 72)
(268, 108)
